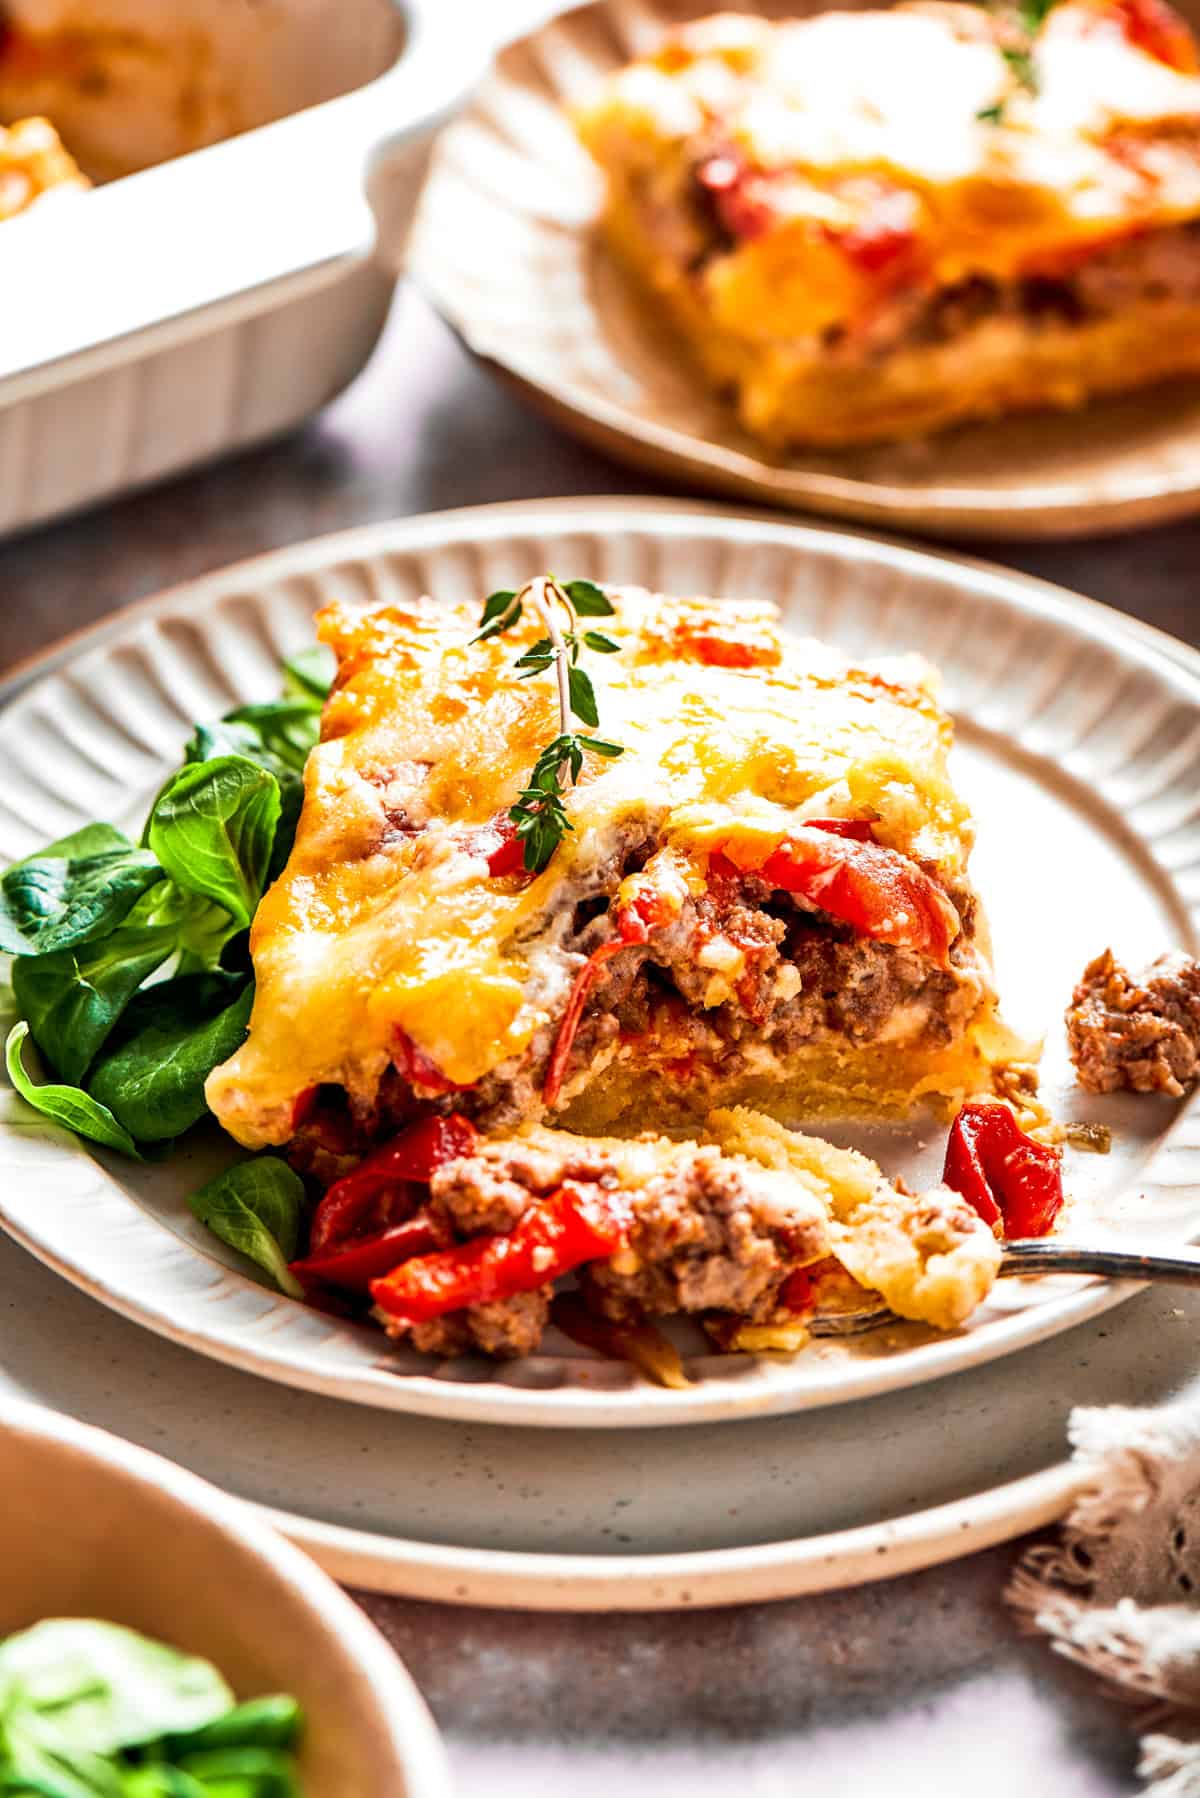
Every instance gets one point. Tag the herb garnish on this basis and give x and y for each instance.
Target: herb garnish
(540, 814)
(1024, 20)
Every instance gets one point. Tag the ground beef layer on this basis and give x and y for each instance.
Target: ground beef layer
(1141, 1035)
(706, 1233)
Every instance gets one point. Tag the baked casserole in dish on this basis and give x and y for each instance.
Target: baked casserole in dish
(871, 225)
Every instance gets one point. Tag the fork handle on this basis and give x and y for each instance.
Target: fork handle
(1036, 1256)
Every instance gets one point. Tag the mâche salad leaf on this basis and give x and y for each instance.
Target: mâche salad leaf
(66, 1105)
(92, 1710)
(256, 1207)
(73, 998)
(131, 968)
(213, 829)
(153, 1084)
(72, 891)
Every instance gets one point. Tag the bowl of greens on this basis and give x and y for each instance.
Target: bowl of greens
(158, 1641)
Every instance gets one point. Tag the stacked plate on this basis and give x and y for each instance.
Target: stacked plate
(557, 1480)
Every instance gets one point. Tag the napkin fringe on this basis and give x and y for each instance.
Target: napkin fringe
(1128, 1533)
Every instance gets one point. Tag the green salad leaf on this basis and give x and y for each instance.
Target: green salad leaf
(73, 999)
(278, 737)
(242, 1773)
(72, 891)
(213, 827)
(92, 1710)
(271, 1722)
(109, 1688)
(131, 965)
(309, 674)
(153, 1081)
(256, 1207)
(66, 1105)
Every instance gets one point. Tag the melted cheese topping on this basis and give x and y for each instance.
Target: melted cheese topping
(928, 1255)
(835, 117)
(386, 924)
(33, 162)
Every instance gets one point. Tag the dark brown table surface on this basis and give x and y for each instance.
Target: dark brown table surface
(918, 1685)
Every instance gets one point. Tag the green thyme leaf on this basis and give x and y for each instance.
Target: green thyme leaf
(589, 600)
(583, 696)
(601, 644)
(501, 611)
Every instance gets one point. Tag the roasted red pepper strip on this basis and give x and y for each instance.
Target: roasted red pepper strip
(556, 1234)
(369, 1257)
(877, 891)
(634, 927)
(508, 857)
(886, 231)
(419, 1069)
(414, 1155)
(796, 1293)
(860, 829)
(1157, 28)
(1014, 1183)
(303, 1106)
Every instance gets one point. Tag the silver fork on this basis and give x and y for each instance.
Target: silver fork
(1034, 1255)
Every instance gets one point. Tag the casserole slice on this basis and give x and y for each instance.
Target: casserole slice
(459, 1241)
(33, 163)
(764, 898)
(871, 225)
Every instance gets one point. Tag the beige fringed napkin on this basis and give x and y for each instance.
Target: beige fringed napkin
(1119, 1592)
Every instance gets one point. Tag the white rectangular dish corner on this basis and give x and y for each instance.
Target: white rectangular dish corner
(217, 298)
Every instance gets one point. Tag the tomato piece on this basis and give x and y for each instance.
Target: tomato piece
(555, 1235)
(508, 856)
(797, 1292)
(740, 198)
(877, 891)
(1013, 1182)
(1155, 27)
(411, 1157)
(303, 1106)
(885, 231)
(419, 1069)
(860, 829)
(369, 1257)
(711, 640)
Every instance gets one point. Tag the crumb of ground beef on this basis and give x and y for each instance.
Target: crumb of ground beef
(506, 1328)
(1142, 1035)
(709, 1234)
(706, 1233)
(487, 1192)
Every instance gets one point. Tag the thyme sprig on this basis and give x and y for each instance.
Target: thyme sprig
(1025, 20)
(540, 814)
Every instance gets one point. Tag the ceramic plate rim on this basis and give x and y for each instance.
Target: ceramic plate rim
(496, 1402)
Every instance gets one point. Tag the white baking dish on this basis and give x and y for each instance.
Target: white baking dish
(217, 298)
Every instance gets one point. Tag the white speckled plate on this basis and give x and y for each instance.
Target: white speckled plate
(1080, 747)
(643, 1519)
(506, 248)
